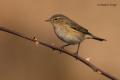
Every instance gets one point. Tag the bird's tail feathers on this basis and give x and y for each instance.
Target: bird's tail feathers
(97, 38)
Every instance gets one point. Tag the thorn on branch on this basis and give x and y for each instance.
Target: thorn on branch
(98, 72)
(36, 41)
(88, 58)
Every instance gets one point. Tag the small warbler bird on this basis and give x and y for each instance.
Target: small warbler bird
(69, 31)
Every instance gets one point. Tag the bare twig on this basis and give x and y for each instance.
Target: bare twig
(83, 60)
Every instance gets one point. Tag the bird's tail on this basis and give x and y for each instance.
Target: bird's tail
(96, 38)
(99, 39)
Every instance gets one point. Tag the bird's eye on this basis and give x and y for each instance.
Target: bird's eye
(55, 19)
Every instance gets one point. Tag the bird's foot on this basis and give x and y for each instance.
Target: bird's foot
(61, 48)
(76, 55)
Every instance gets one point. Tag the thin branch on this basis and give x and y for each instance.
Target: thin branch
(83, 60)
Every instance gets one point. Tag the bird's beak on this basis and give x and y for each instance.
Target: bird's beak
(48, 20)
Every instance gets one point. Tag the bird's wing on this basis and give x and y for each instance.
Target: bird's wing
(79, 28)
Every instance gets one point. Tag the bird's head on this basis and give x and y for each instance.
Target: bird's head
(58, 19)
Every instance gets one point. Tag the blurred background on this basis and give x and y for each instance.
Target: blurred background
(22, 60)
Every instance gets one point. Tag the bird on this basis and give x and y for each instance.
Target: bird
(70, 32)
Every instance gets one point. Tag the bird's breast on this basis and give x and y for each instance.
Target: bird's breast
(67, 34)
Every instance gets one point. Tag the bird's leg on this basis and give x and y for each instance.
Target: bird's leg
(62, 47)
(76, 53)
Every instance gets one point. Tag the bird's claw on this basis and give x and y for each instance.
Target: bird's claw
(76, 55)
(61, 48)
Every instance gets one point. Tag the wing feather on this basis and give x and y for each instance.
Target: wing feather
(79, 28)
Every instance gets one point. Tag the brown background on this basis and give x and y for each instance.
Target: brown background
(22, 60)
